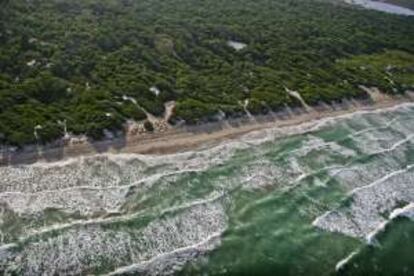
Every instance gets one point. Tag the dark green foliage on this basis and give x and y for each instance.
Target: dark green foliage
(192, 110)
(130, 111)
(75, 60)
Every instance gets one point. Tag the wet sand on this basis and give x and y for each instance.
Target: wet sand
(190, 138)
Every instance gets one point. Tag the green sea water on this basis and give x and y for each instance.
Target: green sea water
(330, 197)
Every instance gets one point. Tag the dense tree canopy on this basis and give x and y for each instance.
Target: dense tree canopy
(76, 60)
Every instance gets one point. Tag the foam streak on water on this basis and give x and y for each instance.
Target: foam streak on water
(294, 201)
(383, 7)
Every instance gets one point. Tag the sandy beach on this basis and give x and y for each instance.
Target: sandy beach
(191, 138)
(329, 169)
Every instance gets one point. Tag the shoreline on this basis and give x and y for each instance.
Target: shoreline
(194, 137)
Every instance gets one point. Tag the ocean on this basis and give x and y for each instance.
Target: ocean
(329, 197)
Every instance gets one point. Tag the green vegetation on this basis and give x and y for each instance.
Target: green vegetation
(75, 60)
(391, 71)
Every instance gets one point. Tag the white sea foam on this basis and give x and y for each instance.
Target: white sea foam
(84, 201)
(341, 264)
(383, 162)
(407, 211)
(109, 171)
(364, 217)
(89, 247)
(30, 233)
(261, 174)
(105, 183)
(270, 134)
(318, 151)
(99, 183)
(171, 262)
(383, 7)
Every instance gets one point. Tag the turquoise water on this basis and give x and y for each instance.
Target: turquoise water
(323, 198)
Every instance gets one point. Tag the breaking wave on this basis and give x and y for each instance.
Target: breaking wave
(130, 213)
